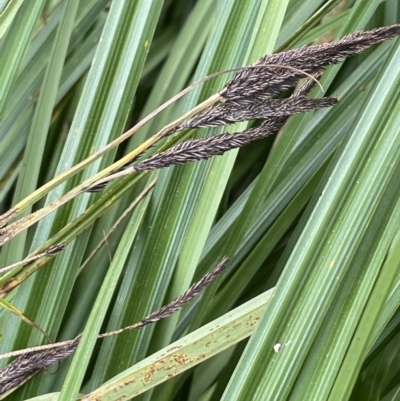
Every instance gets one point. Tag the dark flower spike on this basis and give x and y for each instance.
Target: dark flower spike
(178, 302)
(228, 113)
(266, 82)
(32, 361)
(248, 94)
(202, 149)
(95, 188)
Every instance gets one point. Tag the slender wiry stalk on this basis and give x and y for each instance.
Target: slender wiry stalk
(116, 224)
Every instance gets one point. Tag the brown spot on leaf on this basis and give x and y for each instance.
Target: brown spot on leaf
(150, 372)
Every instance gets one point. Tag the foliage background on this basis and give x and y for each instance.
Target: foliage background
(310, 218)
